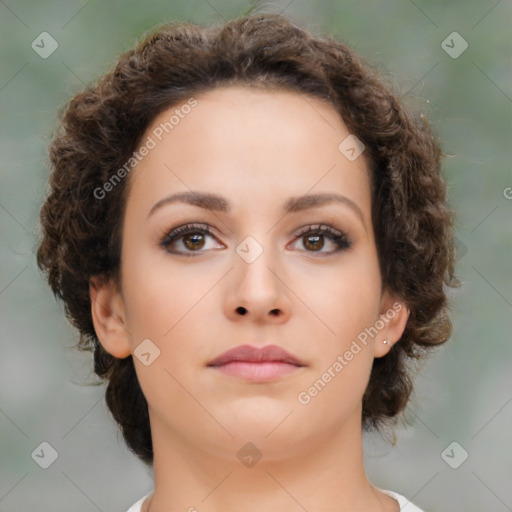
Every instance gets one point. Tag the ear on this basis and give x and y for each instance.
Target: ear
(108, 317)
(392, 321)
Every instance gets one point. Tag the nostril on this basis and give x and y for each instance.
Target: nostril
(241, 310)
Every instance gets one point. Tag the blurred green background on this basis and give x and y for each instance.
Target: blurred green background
(463, 393)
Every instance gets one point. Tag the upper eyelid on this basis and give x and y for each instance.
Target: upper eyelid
(201, 226)
(319, 226)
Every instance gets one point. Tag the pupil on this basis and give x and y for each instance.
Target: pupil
(194, 241)
(315, 244)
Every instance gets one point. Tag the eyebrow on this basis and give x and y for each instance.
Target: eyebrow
(214, 202)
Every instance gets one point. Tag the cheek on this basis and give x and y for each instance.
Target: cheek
(346, 298)
(347, 303)
(166, 308)
(165, 303)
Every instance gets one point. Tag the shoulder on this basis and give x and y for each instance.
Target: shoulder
(136, 507)
(405, 504)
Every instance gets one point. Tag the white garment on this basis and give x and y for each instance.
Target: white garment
(137, 506)
(405, 504)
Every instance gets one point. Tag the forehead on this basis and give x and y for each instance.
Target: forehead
(252, 144)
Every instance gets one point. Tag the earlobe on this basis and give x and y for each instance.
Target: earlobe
(108, 317)
(393, 318)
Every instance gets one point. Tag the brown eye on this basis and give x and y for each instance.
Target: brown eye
(315, 238)
(189, 239)
(194, 241)
(313, 243)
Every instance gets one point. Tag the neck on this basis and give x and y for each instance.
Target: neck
(327, 474)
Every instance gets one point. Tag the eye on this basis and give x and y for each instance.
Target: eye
(191, 238)
(313, 239)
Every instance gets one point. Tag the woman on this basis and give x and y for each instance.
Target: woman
(251, 234)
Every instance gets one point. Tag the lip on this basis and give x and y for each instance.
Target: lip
(249, 354)
(257, 364)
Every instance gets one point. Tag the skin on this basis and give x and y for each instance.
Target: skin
(256, 148)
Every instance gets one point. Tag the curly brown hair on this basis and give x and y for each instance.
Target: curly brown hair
(102, 126)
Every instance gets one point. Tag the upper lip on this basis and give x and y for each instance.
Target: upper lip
(248, 353)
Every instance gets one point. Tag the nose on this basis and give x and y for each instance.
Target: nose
(257, 289)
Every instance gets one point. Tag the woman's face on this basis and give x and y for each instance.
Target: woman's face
(289, 259)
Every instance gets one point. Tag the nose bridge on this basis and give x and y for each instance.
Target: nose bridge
(255, 258)
(258, 288)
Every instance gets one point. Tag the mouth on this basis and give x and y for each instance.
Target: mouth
(257, 364)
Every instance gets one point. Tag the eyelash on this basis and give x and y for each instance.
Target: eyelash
(338, 237)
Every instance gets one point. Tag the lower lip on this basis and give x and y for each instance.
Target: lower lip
(257, 372)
